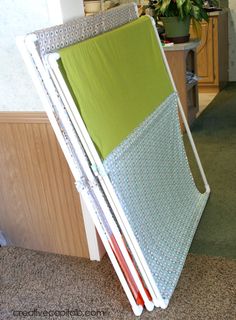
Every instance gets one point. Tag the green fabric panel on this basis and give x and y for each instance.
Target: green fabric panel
(118, 79)
(63, 72)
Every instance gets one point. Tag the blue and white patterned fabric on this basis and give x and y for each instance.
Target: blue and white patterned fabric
(151, 176)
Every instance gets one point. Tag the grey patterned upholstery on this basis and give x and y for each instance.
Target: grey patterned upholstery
(57, 37)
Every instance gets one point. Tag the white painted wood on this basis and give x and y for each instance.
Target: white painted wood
(95, 247)
(232, 40)
(63, 10)
(72, 9)
(55, 12)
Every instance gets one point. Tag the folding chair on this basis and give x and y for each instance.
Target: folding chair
(123, 143)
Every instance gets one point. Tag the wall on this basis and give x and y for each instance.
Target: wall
(17, 17)
(232, 40)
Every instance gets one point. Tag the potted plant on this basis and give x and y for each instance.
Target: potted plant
(176, 16)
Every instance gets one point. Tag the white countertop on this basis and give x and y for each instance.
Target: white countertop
(218, 13)
(192, 44)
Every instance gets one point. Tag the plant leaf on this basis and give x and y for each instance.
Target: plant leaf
(164, 6)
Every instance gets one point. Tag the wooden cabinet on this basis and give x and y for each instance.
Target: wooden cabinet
(182, 59)
(205, 52)
(212, 53)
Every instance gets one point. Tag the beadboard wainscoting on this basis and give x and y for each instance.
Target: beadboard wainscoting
(39, 205)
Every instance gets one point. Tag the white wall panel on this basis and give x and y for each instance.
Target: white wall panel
(232, 40)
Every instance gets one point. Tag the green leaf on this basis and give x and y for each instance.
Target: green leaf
(164, 6)
(181, 9)
(180, 3)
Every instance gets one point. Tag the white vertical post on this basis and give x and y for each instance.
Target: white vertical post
(61, 11)
(95, 246)
(72, 9)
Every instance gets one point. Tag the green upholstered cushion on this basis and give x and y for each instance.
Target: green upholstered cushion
(118, 79)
